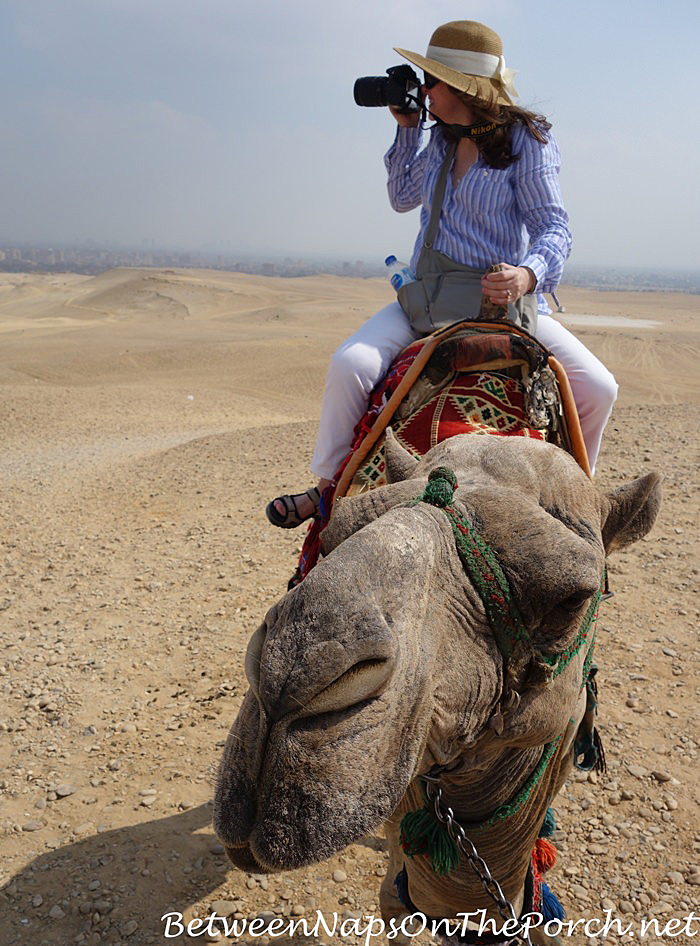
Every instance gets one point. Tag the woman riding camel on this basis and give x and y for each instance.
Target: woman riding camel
(500, 203)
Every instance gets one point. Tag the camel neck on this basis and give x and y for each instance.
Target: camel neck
(503, 825)
(483, 784)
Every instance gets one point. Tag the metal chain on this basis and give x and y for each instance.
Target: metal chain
(455, 830)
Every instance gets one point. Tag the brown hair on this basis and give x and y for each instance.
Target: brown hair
(497, 148)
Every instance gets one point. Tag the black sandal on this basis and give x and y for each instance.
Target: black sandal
(291, 518)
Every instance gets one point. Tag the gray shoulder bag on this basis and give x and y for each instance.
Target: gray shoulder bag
(445, 291)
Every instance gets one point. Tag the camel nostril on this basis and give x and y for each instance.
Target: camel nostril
(361, 682)
(253, 657)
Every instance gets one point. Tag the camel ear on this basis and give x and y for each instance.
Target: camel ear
(632, 509)
(400, 465)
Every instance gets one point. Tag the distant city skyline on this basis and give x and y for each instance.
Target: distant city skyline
(95, 259)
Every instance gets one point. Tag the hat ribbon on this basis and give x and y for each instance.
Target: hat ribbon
(475, 64)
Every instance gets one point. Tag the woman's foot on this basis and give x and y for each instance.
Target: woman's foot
(289, 511)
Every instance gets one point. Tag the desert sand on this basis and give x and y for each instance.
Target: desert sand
(146, 417)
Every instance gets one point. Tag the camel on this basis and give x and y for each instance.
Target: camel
(394, 673)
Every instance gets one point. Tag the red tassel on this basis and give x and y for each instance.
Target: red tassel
(544, 856)
(310, 552)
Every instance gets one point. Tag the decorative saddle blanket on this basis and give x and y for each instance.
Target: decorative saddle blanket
(472, 377)
(485, 402)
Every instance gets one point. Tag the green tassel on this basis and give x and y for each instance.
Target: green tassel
(423, 835)
(442, 483)
(549, 825)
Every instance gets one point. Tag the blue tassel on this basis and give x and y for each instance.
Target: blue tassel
(401, 884)
(551, 907)
(549, 825)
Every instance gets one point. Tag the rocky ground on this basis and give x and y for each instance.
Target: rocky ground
(138, 455)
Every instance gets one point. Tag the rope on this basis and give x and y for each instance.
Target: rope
(480, 563)
(560, 661)
(507, 811)
(490, 581)
(421, 834)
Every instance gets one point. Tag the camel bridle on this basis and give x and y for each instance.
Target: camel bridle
(488, 578)
(520, 658)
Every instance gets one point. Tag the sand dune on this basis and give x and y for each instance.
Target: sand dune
(146, 418)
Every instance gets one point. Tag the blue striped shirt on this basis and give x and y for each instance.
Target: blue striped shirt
(514, 215)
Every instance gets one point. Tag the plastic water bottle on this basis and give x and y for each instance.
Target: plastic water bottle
(399, 273)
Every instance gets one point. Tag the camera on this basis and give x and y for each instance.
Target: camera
(402, 90)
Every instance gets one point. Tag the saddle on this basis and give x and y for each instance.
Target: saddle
(479, 377)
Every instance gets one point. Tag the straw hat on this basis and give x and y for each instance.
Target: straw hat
(467, 56)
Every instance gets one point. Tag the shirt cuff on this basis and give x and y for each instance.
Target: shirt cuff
(538, 267)
(408, 138)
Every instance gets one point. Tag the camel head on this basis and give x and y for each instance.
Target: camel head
(383, 663)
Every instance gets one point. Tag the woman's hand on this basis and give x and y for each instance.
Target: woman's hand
(409, 120)
(509, 284)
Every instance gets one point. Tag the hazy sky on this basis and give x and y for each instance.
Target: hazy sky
(232, 124)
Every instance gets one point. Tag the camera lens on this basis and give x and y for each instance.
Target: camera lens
(371, 91)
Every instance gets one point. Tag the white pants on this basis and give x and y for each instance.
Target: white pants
(362, 360)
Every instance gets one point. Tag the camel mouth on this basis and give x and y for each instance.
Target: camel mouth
(243, 858)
